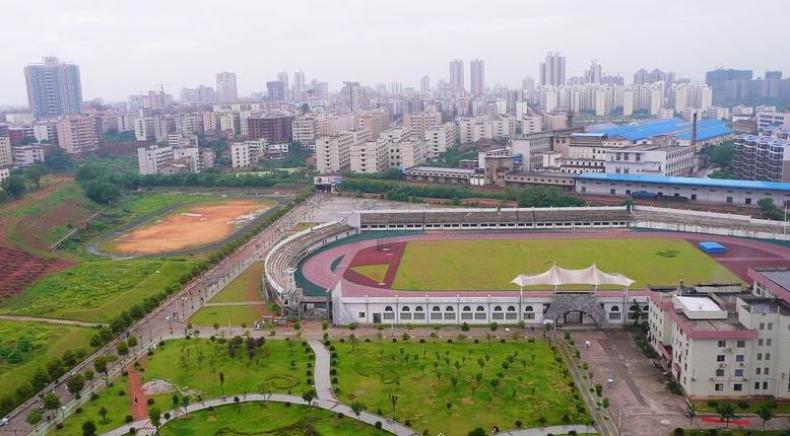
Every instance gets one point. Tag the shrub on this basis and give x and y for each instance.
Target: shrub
(150, 401)
(78, 410)
(465, 327)
(334, 380)
(713, 404)
(744, 404)
(34, 417)
(128, 419)
(378, 425)
(94, 396)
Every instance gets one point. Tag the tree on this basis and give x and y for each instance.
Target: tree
(101, 191)
(103, 414)
(51, 402)
(75, 384)
(766, 412)
(155, 415)
(34, 173)
(14, 186)
(357, 407)
(726, 412)
(58, 160)
(393, 401)
(88, 428)
(221, 376)
(308, 397)
(691, 412)
(123, 349)
(478, 431)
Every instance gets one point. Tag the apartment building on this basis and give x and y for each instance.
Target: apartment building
(151, 159)
(304, 130)
(24, 155)
(441, 138)
(759, 157)
(651, 159)
(6, 157)
(726, 344)
(407, 153)
(276, 129)
(182, 140)
(421, 122)
(369, 157)
(471, 130)
(144, 129)
(248, 153)
(230, 123)
(80, 134)
(375, 122)
(333, 153)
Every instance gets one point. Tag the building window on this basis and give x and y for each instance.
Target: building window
(722, 344)
(719, 372)
(739, 358)
(718, 387)
(759, 356)
(739, 373)
(361, 314)
(720, 358)
(741, 344)
(767, 356)
(768, 342)
(737, 387)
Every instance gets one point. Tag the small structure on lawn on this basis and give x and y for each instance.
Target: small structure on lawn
(712, 247)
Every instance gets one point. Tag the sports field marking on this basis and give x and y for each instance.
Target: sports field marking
(377, 273)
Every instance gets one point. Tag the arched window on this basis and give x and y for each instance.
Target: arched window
(615, 308)
(418, 309)
(497, 308)
(481, 309)
(633, 307)
(511, 308)
(405, 309)
(436, 309)
(448, 309)
(388, 309)
(467, 309)
(528, 309)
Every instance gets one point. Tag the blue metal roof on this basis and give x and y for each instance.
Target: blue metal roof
(636, 131)
(687, 181)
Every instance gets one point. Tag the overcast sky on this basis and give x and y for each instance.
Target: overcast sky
(125, 47)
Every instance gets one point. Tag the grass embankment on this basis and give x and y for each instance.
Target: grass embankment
(26, 347)
(454, 388)
(192, 368)
(263, 418)
(492, 264)
(224, 309)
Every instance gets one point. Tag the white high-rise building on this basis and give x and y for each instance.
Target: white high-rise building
(333, 153)
(594, 74)
(419, 122)
(441, 138)
(6, 158)
(152, 158)
(425, 84)
(369, 157)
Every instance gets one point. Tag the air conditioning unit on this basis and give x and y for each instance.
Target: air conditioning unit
(713, 379)
(741, 364)
(693, 378)
(722, 365)
(746, 379)
(729, 350)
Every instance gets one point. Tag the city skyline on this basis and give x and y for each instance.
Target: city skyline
(168, 50)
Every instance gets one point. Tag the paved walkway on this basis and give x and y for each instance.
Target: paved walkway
(544, 431)
(236, 303)
(51, 320)
(323, 380)
(144, 426)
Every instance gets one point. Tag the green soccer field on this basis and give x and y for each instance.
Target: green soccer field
(491, 264)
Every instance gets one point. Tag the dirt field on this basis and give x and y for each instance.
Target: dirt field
(193, 227)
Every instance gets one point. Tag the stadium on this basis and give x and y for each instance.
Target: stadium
(592, 265)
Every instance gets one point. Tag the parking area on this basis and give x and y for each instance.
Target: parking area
(639, 401)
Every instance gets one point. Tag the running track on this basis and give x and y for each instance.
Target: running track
(742, 254)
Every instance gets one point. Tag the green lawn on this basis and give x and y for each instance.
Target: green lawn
(376, 273)
(225, 316)
(517, 381)
(783, 407)
(492, 264)
(96, 290)
(194, 366)
(114, 399)
(239, 289)
(28, 346)
(267, 419)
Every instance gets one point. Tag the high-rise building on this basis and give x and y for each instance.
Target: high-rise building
(425, 84)
(226, 88)
(54, 89)
(729, 86)
(276, 129)
(353, 96)
(276, 90)
(552, 70)
(457, 75)
(282, 76)
(477, 76)
(593, 75)
(299, 85)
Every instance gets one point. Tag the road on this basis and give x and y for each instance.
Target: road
(168, 319)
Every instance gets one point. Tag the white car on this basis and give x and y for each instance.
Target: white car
(3, 422)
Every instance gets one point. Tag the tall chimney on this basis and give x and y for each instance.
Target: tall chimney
(694, 129)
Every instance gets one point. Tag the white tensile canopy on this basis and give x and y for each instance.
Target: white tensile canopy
(557, 276)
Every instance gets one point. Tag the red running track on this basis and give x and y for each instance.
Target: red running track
(741, 254)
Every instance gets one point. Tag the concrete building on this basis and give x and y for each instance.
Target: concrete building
(248, 153)
(54, 89)
(210, 122)
(471, 130)
(304, 130)
(4, 173)
(276, 129)
(144, 129)
(151, 159)
(24, 155)
(369, 157)
(441, 138)
(6, 156)
(226, 87)
(650, 159)
(477, 77)
(457, 76)
(333, 153)
(420, 122)
(447, 176)
(552, 70)
(375, 122)
(770, 117)
(80, 134)
(230, 123)
(760, 157)
(182, 140)
(407, 153)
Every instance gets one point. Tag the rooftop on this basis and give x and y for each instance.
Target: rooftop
(706, 129)
(687, 181)
(697, 304)
(780, 277)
